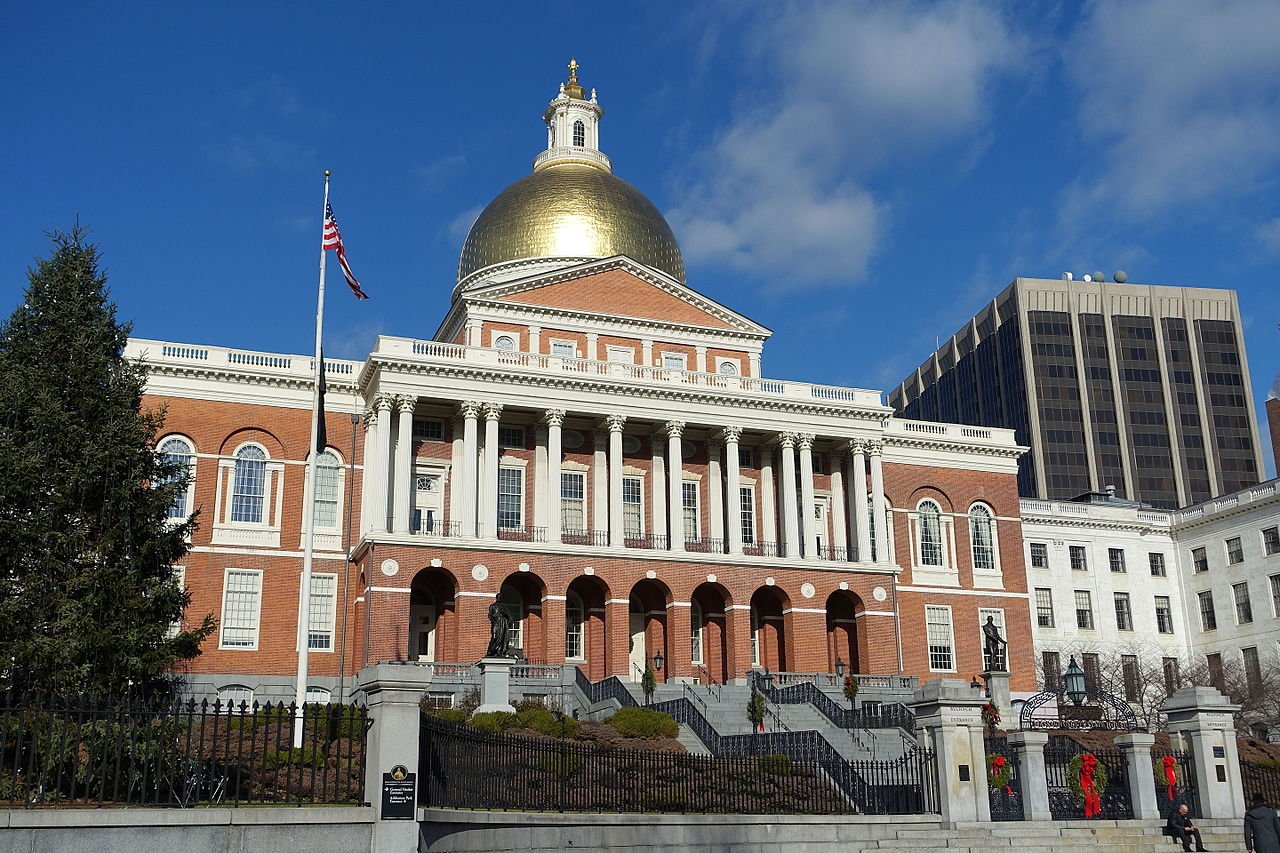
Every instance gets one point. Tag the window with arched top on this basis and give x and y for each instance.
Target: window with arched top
(249, 484)
(930, 528)
(575, 618)
(235, 698)
(505, 343)
(177, 452)
(982, 538)
(695, 632)
(510, 598)
(579, 134)
(728, 367)
(328, 491)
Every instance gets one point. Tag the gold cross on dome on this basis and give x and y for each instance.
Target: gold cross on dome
(573, 68)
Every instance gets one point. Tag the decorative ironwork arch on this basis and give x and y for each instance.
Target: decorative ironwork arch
(1113, 713)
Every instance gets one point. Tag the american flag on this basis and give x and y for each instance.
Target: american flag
(333, 240)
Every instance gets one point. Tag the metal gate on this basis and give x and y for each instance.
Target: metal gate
(1006, 800)
(1064, 801)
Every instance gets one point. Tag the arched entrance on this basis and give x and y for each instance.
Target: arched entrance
(768, 631)
(648, 629)
(585, 629)
(521, 594)
(432, 632)
(843, 608)
(709, 642)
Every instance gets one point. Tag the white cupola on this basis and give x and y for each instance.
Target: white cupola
(573, 127)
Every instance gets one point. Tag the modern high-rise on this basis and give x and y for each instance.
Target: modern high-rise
(1143, 388)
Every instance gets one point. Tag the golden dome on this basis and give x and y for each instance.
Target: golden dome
(571, 210)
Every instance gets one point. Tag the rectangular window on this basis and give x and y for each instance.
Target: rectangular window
(1132, 681)
(1170, 667)
(997, 618)
(746, 457)
(1200, 560)
(621, 355)
(1244, 608)
(674, 360)
(321, 612)
(1084, 610)
(1275, 595)
(1208, 616)
(1252, 669)
(1051, 663)
(1164, 615)
(1044, 607)
(1079, 562)
(428, 430)
(564, 349)
(510, 498)
(1235, 552)
(573, 501)
(689, 507)
(940, 637)
(1092, 671)
(1115, 556)
(241, 607)
(1271, 541)
(1215, 670)
(180, 577)
(1124, 615)
(328, 491)
(1157, 565)
(632, 507)
(747, 499)
(511, 437)
(1039, 555)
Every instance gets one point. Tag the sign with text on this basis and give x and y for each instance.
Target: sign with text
(399, 793)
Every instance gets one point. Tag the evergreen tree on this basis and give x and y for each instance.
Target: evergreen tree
(88, 597)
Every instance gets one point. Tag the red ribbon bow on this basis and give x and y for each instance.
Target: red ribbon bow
(1092, 802)
(1170, 776)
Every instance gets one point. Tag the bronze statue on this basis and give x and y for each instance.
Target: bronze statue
(499, 631)
(994, 645)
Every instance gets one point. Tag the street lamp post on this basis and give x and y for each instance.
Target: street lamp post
(1076, 686)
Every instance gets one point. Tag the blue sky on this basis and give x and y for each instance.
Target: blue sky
(858, 176)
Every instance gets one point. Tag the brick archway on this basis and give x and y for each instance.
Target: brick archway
(844, 642)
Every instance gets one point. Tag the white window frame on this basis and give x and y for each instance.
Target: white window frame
(1226, 549)
(575, 629)
(561, 343)
(639, 504)
(620, 355)
(753, 616)
(179, 575)
(695, 633)
(340, 486)
(1031, 555)
(235, 698)
(1168, 600)
(920, 545)
(223, 620)
(496, 336)
(691, 488)
(428, 429)
(323, 625)
(666, 356)
(951, 636)
(997, 614)
(519, 504)
(317, 696)
(514, 604)
(581, 477)
(993, 544)
(189, 496)
(263, 533)
(264, 497)
(1088, 598)
(734, 365)
(747, 509)
(1053, 618)
(1116, 597)
(505, 442)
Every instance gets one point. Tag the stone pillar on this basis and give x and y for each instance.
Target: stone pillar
(538, 487)
(808, 524)
(715, 493)
(488, 526)
(733, 487)
(768, 498)
(555, 425)
(391, 693)
(470, 411)
(877, 503)
(382, 463)
(615, 424)
(949, 713)
(675, 482)
(858, 500)
(366, 471)
(658, 489)
(403, 485)
(1031, 773)
(456, 467)
(1204, 717)
(997, 683)
(790, 513)
(495, 685)
(839, 524)
(599, 481)
(700, 359)
(1136, 747)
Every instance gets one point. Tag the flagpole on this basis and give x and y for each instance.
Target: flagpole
(308, 506)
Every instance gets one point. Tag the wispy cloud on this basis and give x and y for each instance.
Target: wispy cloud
(461, 224)
(785, 192)
(248, 152)
(1268, 235)
(434, 174)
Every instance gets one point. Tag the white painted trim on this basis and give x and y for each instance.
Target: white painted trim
(948, 591)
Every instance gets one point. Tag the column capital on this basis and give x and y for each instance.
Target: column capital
(614, 423)
(874, 447)
(492, 411)
(553, 417)
(469, 409)
(786, 440)
(673, 429)
(406, 404)
(804, 440)
(370, 415)
(731, 434)
(858, 445)
(384, 402)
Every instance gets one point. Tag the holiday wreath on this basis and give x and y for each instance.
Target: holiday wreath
(1088, 781)
(999, 772)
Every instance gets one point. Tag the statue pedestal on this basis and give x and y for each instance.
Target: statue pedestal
(997, 681)
(495, 685)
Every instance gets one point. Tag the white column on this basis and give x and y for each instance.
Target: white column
(366, 489)
(790, 513)
(470, 411)
(658, 489)
(402, 485)
(768, 499)
(839, 528)
(555, 427)
(700, 359)
(382, 463)
(733, 487)
(675, 482)
(858, 500)
(715, 493)
(593, 346)
(456, 467)
(808, 523)
(877, 503)
(600, 482)
(474, 328)
(646, 352)
(535, 339)
(539, 488)
(753, 364)
(488, 526)
(615, 424)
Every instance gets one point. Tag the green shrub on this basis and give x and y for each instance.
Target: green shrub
(493, 721)
(469, 702)
(641, 722)
(777, 764)
(450, 715)
(303, 757)
(544, 722)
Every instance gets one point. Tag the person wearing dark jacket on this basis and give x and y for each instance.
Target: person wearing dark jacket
(1261, 827)
(1181, 829)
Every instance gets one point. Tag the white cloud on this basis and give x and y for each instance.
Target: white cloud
(460, 225)
(434, 174)
(1268, 235)
(1182, 97)
(782, 192)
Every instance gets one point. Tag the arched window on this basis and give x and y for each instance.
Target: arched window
(755, 635)
(728, 367)
(579, 134)
(328, 490)
(506, 343)
(249, 484)
(235, 698)
(695, 633)
(574, 621)
(318, 696)
(980, 534)
(930, 533)
(510, 598)
(177, 452)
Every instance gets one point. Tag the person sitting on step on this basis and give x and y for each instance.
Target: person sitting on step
(1180, 828)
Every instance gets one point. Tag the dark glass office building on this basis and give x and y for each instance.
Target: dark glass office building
(1140, 387)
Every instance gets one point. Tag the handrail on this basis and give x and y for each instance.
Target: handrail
(893, 715)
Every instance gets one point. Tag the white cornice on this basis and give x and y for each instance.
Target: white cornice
(600, 322)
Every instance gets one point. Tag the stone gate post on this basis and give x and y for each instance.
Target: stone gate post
(1035, 784)
(391, 692)
(1136, 747)
(949, 717)
(1204, 717)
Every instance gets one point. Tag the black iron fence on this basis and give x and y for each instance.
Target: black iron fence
(1066, 794)
(1264, 778)
(81, 753)
(1183, 789)
(1004, 780)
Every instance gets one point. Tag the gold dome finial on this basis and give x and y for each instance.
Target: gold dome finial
(572, 87)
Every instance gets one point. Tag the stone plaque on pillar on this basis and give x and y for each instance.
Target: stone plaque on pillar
(495, 685)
